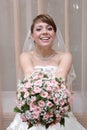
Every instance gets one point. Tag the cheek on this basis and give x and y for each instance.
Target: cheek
(34, 36)
(53, 35)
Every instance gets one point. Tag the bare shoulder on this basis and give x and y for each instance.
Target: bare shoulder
(26, 63)
(65, 55)
(25, 56)
(65, 63)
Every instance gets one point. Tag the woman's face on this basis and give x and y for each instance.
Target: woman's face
(43, 34)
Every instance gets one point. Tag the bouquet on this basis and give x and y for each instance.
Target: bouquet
(43, 99)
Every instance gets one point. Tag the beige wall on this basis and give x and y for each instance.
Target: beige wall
(7, 45)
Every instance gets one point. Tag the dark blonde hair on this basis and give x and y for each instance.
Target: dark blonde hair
(44, 18)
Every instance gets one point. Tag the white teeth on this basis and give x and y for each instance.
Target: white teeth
(44, 38)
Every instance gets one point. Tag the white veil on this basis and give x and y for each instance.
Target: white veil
(58, 45)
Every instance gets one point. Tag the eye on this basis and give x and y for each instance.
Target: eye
(50, 28)
(38, 29)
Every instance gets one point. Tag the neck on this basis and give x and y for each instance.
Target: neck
(44, 54)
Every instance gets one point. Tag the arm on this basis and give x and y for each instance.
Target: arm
(65, 65)
(26, 63)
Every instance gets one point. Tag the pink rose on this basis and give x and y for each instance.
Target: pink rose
(46, 117)
(36, 77)
(33, 92)
(24, 90)
(28, 85)
(41, 103)
(33, 99)
(32, 107)
(54, 82)
(37, 89)
(66, 108)
(50, 114)
(56, 88)
(61, 109)
(48, 88)
(62, 102)
(26, 94)
(63, 86)
(48, 83)
(44, 94)
(55, 99)
(38, 83)
(50, 95)
(18, 95)
(49, 104)
(38, 109)
(20, 104)
(21, 90)
(58, 117)
(35, 115)
(41, 76)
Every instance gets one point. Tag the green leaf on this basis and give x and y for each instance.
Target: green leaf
(16, 109)
(22, 94)
(38, 97)
(48, 109)
(45, 76)
(62, 122)
(66, 115)
(30, 125)
(25, 107)
(24, 81)
(47, 125)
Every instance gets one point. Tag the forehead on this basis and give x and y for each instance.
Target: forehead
(38, 24)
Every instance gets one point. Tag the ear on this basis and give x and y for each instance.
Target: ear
(31, 36)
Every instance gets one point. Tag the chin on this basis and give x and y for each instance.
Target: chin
(46, 44)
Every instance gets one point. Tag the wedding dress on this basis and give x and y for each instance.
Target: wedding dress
(71, 122)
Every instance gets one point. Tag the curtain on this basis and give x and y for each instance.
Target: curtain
(75, 37)
(1, 112)
(12, 42)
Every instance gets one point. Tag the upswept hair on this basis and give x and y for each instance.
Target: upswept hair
(44, 18)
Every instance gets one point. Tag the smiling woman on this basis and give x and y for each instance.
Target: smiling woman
(43, 34)
(15, 22)
(50, 68)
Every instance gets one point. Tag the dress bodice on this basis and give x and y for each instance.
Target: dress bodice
(56, 70)
(49, 69)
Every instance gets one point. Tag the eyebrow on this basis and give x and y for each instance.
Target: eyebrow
(38, 26)
(42, 25)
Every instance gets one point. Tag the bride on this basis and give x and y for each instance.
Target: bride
(41, 55)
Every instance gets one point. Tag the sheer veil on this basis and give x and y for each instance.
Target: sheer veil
(58, 45)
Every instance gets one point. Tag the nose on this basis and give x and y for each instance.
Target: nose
(44, 30)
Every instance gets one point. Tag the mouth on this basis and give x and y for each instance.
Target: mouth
(44, 39)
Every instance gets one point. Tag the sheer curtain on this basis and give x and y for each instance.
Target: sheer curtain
(78, 26)
(1, 112)
(84, 52)
(77, 39)
(15, 19)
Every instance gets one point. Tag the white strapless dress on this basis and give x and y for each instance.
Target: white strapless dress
(71, 123)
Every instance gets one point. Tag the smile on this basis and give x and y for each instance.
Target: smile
(45, 38)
